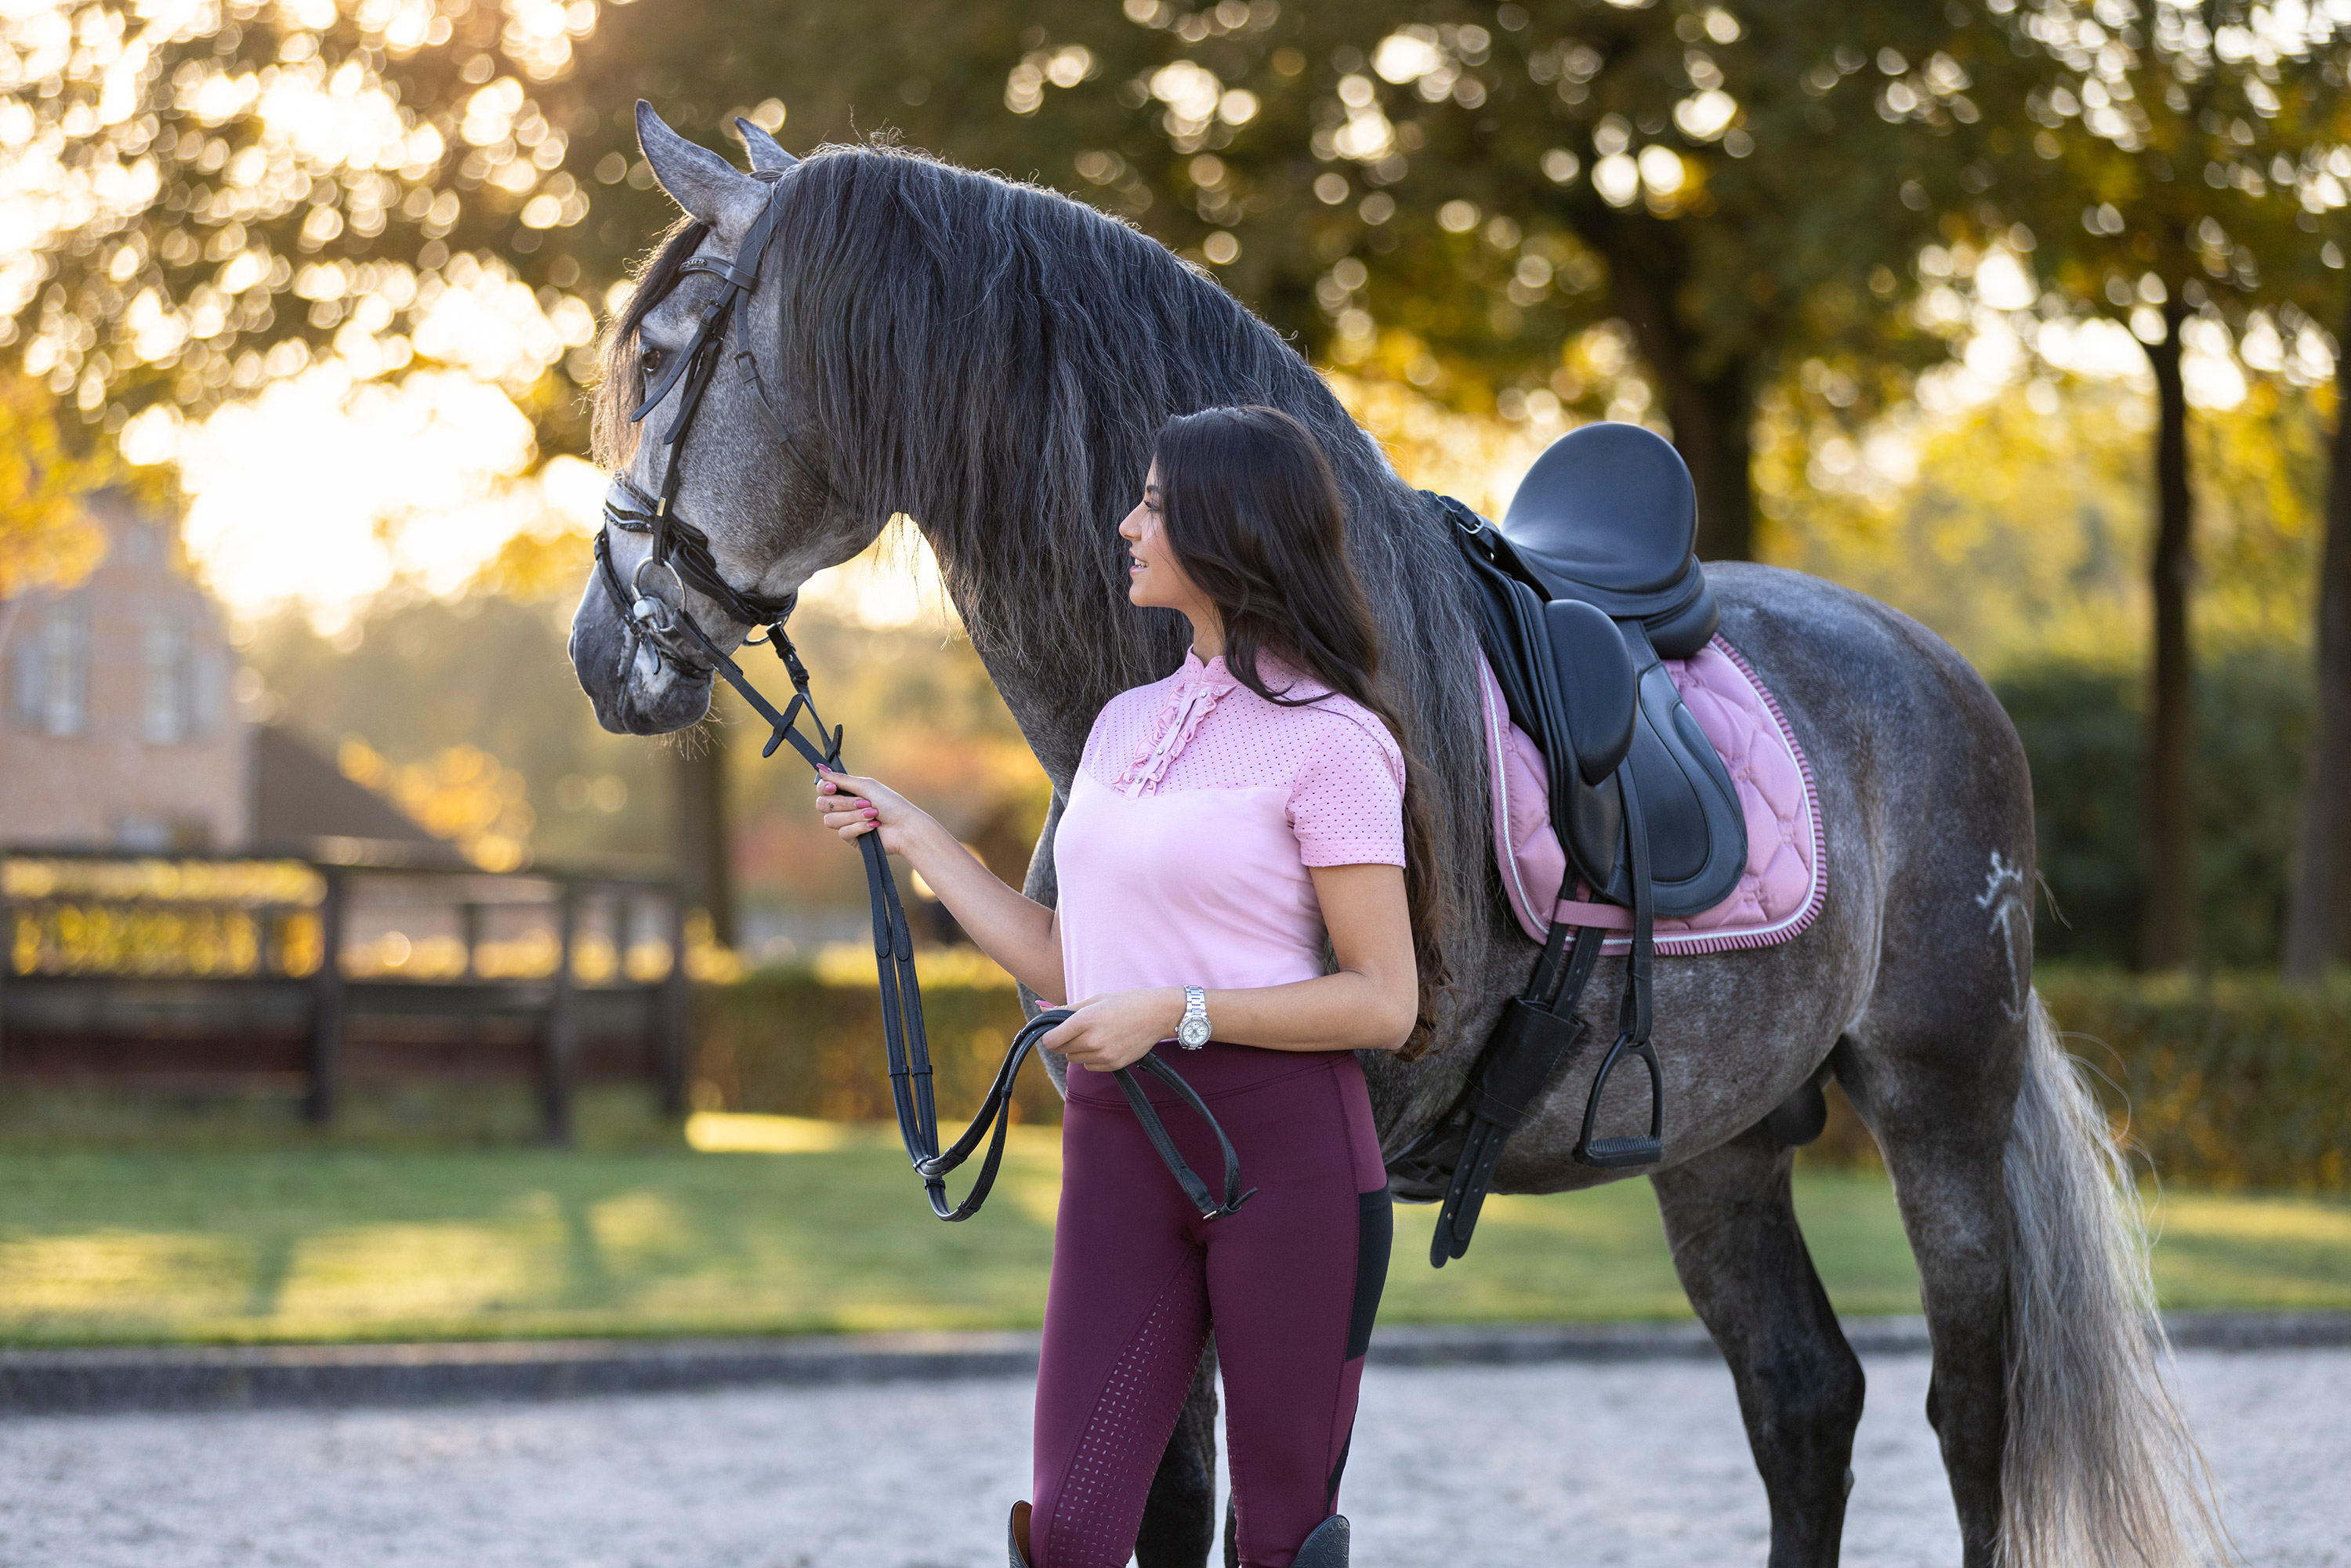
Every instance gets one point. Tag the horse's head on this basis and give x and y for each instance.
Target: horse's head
(711, 419)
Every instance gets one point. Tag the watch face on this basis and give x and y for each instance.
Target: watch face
(1193, 1033)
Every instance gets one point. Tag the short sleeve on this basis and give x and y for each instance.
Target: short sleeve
(1346, 802)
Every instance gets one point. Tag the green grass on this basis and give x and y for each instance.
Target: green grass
(324, 1243)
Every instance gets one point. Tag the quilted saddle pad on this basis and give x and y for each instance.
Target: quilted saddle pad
(1786, 875)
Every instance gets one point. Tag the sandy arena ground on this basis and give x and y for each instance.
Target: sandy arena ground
(1604, 1466)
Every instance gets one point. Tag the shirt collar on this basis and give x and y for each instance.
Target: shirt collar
(1211, 674)
(1277, 674)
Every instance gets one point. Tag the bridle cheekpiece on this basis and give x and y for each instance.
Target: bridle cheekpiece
(678, 547)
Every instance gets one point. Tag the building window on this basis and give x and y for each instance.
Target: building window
(48, 669)
(184, 688)
(164, 718)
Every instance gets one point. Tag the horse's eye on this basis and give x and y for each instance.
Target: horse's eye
(650, 361)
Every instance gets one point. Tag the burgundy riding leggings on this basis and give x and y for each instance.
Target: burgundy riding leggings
(1290, 1285)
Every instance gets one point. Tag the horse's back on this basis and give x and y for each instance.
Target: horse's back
(1925, 790)
(1877, 700)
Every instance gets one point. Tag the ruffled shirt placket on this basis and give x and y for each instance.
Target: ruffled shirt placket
(1197, 690)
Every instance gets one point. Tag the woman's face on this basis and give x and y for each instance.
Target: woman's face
(1154, 578)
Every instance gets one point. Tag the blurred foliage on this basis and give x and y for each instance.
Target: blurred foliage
(2020, 534)
(1453, 194)
(461, 793)
(229, 191)
(223, 919)
(245, 882)
(2231, 1081)
(47, 538)
(130, 916)
(2083, 730)
(1449, 195)
(2190, 156)
(1507, 177)
(78, 936)
(784, 1041)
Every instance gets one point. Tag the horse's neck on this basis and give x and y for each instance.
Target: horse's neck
(1053, 689)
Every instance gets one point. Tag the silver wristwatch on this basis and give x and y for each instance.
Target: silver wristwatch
(1192, 1032)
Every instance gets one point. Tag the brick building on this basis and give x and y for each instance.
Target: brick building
(119, 729)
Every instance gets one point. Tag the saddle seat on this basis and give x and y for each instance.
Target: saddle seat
(1607, 516)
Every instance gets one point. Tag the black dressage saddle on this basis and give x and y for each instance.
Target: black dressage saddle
(1607, 518)
(1590, 582)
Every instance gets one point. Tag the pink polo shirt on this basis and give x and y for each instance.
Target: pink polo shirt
(1183, 851)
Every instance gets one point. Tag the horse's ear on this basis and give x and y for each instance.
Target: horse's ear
(710, 189)
(767, 154)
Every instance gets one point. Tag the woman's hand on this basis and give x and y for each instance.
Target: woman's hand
(1118, 1029)
(853, 807)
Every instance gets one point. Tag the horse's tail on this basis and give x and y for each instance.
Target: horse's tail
(2099, 1467)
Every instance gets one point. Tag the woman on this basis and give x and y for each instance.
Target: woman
(1225, 824)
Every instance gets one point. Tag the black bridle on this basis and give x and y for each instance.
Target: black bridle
(682, 551)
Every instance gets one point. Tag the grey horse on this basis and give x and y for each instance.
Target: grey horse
(991, 360)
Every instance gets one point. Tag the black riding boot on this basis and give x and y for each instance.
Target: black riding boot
(1326, 1548)
(1015, 1536)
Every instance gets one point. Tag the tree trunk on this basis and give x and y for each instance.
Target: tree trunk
(1713, 412)
(2318, 921)
(1711, 429)
(705, 869)
(2167, 940)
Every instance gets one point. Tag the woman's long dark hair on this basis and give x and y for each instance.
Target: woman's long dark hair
(1256, 519)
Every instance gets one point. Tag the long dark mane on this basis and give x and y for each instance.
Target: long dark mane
(993, 360)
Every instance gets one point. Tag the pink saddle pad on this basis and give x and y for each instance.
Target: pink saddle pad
(1786, 877)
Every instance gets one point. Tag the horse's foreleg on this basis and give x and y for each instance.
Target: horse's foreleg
(1731, 1221)
(1179, 1518)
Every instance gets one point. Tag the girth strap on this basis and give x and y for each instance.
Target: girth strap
(1533, 1037)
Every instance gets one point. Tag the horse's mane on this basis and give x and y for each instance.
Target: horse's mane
(993, 359)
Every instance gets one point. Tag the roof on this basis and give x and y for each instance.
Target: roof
(299, 797)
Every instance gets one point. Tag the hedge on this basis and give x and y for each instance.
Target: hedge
(2085, 731)
(2224, 1081)
(788, 1042)
(2229, 1080)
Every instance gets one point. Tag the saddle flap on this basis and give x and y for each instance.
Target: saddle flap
(1697, 829)
(1596, 688)
(1587, 815)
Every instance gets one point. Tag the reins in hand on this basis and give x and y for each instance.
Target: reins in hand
(902, 1030)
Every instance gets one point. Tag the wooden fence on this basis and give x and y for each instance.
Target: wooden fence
(357, 963)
